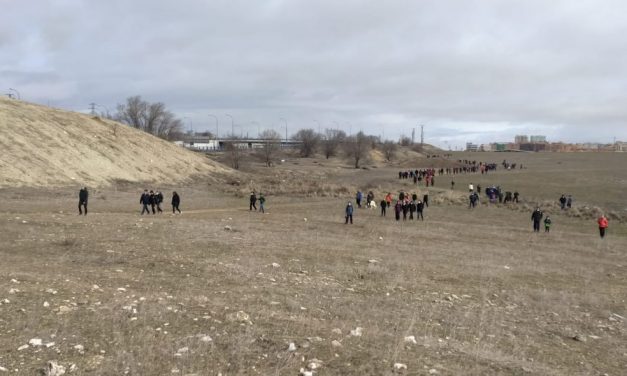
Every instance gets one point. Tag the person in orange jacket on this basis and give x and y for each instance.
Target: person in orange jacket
(603, 223)
(388, 199)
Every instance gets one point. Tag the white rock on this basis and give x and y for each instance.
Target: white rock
(80, 349)
(275, 265)
(411, 339)
(433, 371)
(13, 280)
(50, 344)
(337, 331)
(291, 347)
(51, 291)
(400, 366)
(13, 291)
(182, 350)
(23, 347)
(314, 364)
(5, 301)
(380, 237)
(54, 369)
(357, 332)
(35, 342)
(228, 228)
(2, 369)
(336, 343)
(121, 289)
(206, 339)
(305, 219)
(46, 304)
(373, 261)
(304, 372)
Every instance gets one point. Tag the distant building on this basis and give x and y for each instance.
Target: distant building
(537, 139)
(530, 146)
(620, 146)
(472, 147)
(521, 139)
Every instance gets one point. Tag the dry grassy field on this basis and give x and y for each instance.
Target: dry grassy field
(220, 290)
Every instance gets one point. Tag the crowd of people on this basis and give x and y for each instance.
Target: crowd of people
(406, 205)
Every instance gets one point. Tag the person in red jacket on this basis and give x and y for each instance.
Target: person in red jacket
(603, 223)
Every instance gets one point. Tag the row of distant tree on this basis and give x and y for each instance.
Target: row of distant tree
(155, 119)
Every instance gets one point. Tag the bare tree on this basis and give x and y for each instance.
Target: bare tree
(332, 140)
(309, 141)
(356, 147)
(271, 144)
(153, 118)
(389, 150)
(234, 151)
(405, 141)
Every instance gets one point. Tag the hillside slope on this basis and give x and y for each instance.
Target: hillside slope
(42, 146)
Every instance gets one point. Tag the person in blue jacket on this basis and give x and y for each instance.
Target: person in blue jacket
(358, 198)
(349, 213)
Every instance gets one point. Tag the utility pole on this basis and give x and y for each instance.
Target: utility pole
(422, 136)
(92, 107)
(413, 135)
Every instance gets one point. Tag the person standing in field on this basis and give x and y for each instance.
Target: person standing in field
(358, 197)
(388, 199)
(603, 224)
(153, 201)
(397, 209)
(569, 202)
(145, 201)
(547, 224)
(536, 217)
(563, 202)
(349, 213)
(83, 196)
(384, 204)
(253, 201)
(176, 201)
(425, 199)
(452, 184)
(516, 194)
(262, 201)
(420, 206)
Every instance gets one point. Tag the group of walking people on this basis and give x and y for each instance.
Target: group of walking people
(154, 200)
(406, 205)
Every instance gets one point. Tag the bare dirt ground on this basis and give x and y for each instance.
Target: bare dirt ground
(222, 290)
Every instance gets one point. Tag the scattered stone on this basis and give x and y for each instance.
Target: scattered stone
(53, 369)
(240, 316)
(51, 291)
(433, 371)
(380, 237)
(373, 261)
(50, 344)
(305, 219)
(337, 331)
(63, 310)
(182, 351)
(121, 289)
(206, 339)
(336, 343)
(2, 369)
(35, 342)
(13, 291)
(580, 338)
(400, 366)
(357, 332)
(46, 304)
(506, 267)
(304, 372)
(80, 349)
(23, 347)
(73, 367)
(411, 339)
(291, 347)
(228, 228)
(314, 364)
(275, 265)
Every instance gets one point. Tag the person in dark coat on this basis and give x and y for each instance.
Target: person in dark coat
(349, 213)
(158, 201)
(563, 202)
(397, 209)
(176, 201)
(253, 201)
(384, 205)
(425, 199)
(145, 201)
(83, 196)
(420, 207)
(516, 194)
(153, 201)
(536, 217)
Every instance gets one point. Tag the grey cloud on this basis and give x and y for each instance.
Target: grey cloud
(470, 70)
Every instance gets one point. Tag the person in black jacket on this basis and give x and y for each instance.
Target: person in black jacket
(176, 201)
(145, 201)
(153, 201)
(420, 207)
(253, 201)
(383, 205)
(83, 195)
(536, 217)
(158, 201)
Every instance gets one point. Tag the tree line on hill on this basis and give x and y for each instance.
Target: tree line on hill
(155, 119)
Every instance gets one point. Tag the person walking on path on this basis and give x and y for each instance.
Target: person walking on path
(176, 201)
(253, 201)
(262, 201)
(145, 201)
(384, 205)
(397, 210)
(158, 201)
(425, 199)
(547, 224)
(452, 185)
(83, 196)
(388, 199)
(536, 217)
(349, 213)
(603, 224)
(358, 197)
(420, 206)
(153, 201)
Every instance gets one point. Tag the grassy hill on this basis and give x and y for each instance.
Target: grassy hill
(42, 146)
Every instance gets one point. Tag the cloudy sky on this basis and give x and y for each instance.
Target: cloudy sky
(468, 70)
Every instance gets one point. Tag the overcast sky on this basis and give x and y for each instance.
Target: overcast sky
(468, 70)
